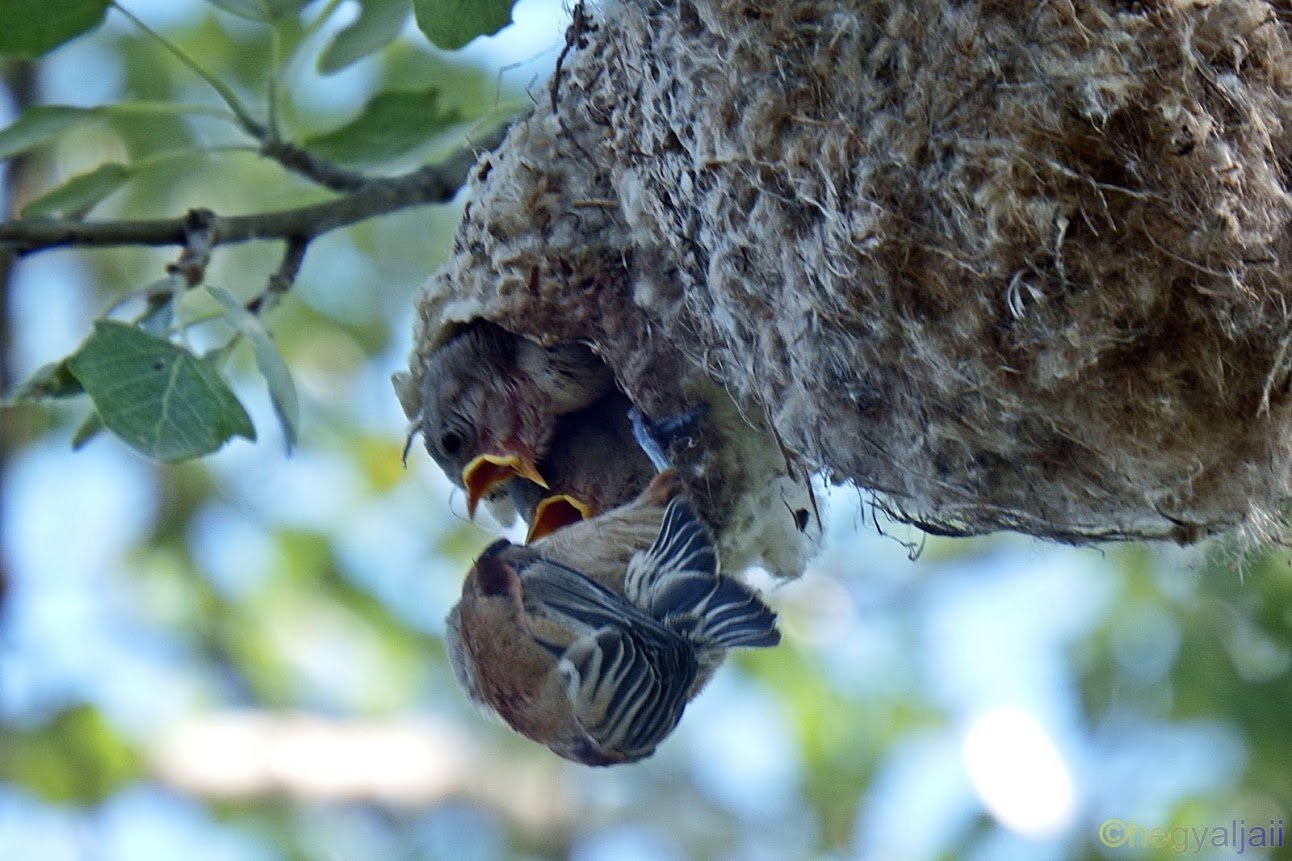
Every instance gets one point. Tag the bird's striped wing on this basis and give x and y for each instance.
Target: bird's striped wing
(676, 581)
(567, 596)
(682, 558)
(628, 687)
(627, 675)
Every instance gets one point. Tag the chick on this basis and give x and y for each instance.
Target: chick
(490, 400)
(596, 661)
(593, 464)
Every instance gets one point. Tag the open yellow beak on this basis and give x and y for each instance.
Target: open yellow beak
(554, 512)
(487, 471)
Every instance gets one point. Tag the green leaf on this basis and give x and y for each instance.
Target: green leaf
(34, 27)
(80, 193)
(51, 381)
(161, 399)
(451, 24)
(378, 24)
(266, 11)
(282, 391)
(41, 124)
(89, 429)
(392, 124)
(38, 125)
(158, 299)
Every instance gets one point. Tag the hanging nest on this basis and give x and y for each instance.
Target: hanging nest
(1007, 265)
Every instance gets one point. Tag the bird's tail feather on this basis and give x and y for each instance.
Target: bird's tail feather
(677, 582)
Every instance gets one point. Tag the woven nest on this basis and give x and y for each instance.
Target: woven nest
(1007, 265)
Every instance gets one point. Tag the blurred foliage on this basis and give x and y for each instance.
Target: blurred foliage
(72, 757)
(252, 583)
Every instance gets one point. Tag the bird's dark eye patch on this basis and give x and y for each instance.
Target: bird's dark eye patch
(450, 442)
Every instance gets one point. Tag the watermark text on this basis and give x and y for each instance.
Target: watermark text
(1237, 836)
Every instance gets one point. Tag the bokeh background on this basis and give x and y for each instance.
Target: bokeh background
(241, 658)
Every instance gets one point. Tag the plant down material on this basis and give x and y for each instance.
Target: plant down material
(1007, 265)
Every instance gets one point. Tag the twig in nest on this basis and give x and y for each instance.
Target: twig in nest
(576, 35)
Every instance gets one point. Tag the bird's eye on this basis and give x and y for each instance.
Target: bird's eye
(450, 442)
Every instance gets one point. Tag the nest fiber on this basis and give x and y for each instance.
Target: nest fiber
(1008, 265)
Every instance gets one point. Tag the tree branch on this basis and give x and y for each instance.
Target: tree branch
(303, 162)
(432, 184)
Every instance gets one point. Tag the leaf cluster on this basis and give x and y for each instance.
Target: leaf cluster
(146, 384)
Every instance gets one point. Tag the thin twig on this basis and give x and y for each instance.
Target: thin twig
(266, 134)
(283, 278)
(431, 184)
(250, 124)
(303, 162)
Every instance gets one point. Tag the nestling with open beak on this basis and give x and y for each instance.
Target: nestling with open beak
(593, 654)
(490, 400)
(593, 464)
